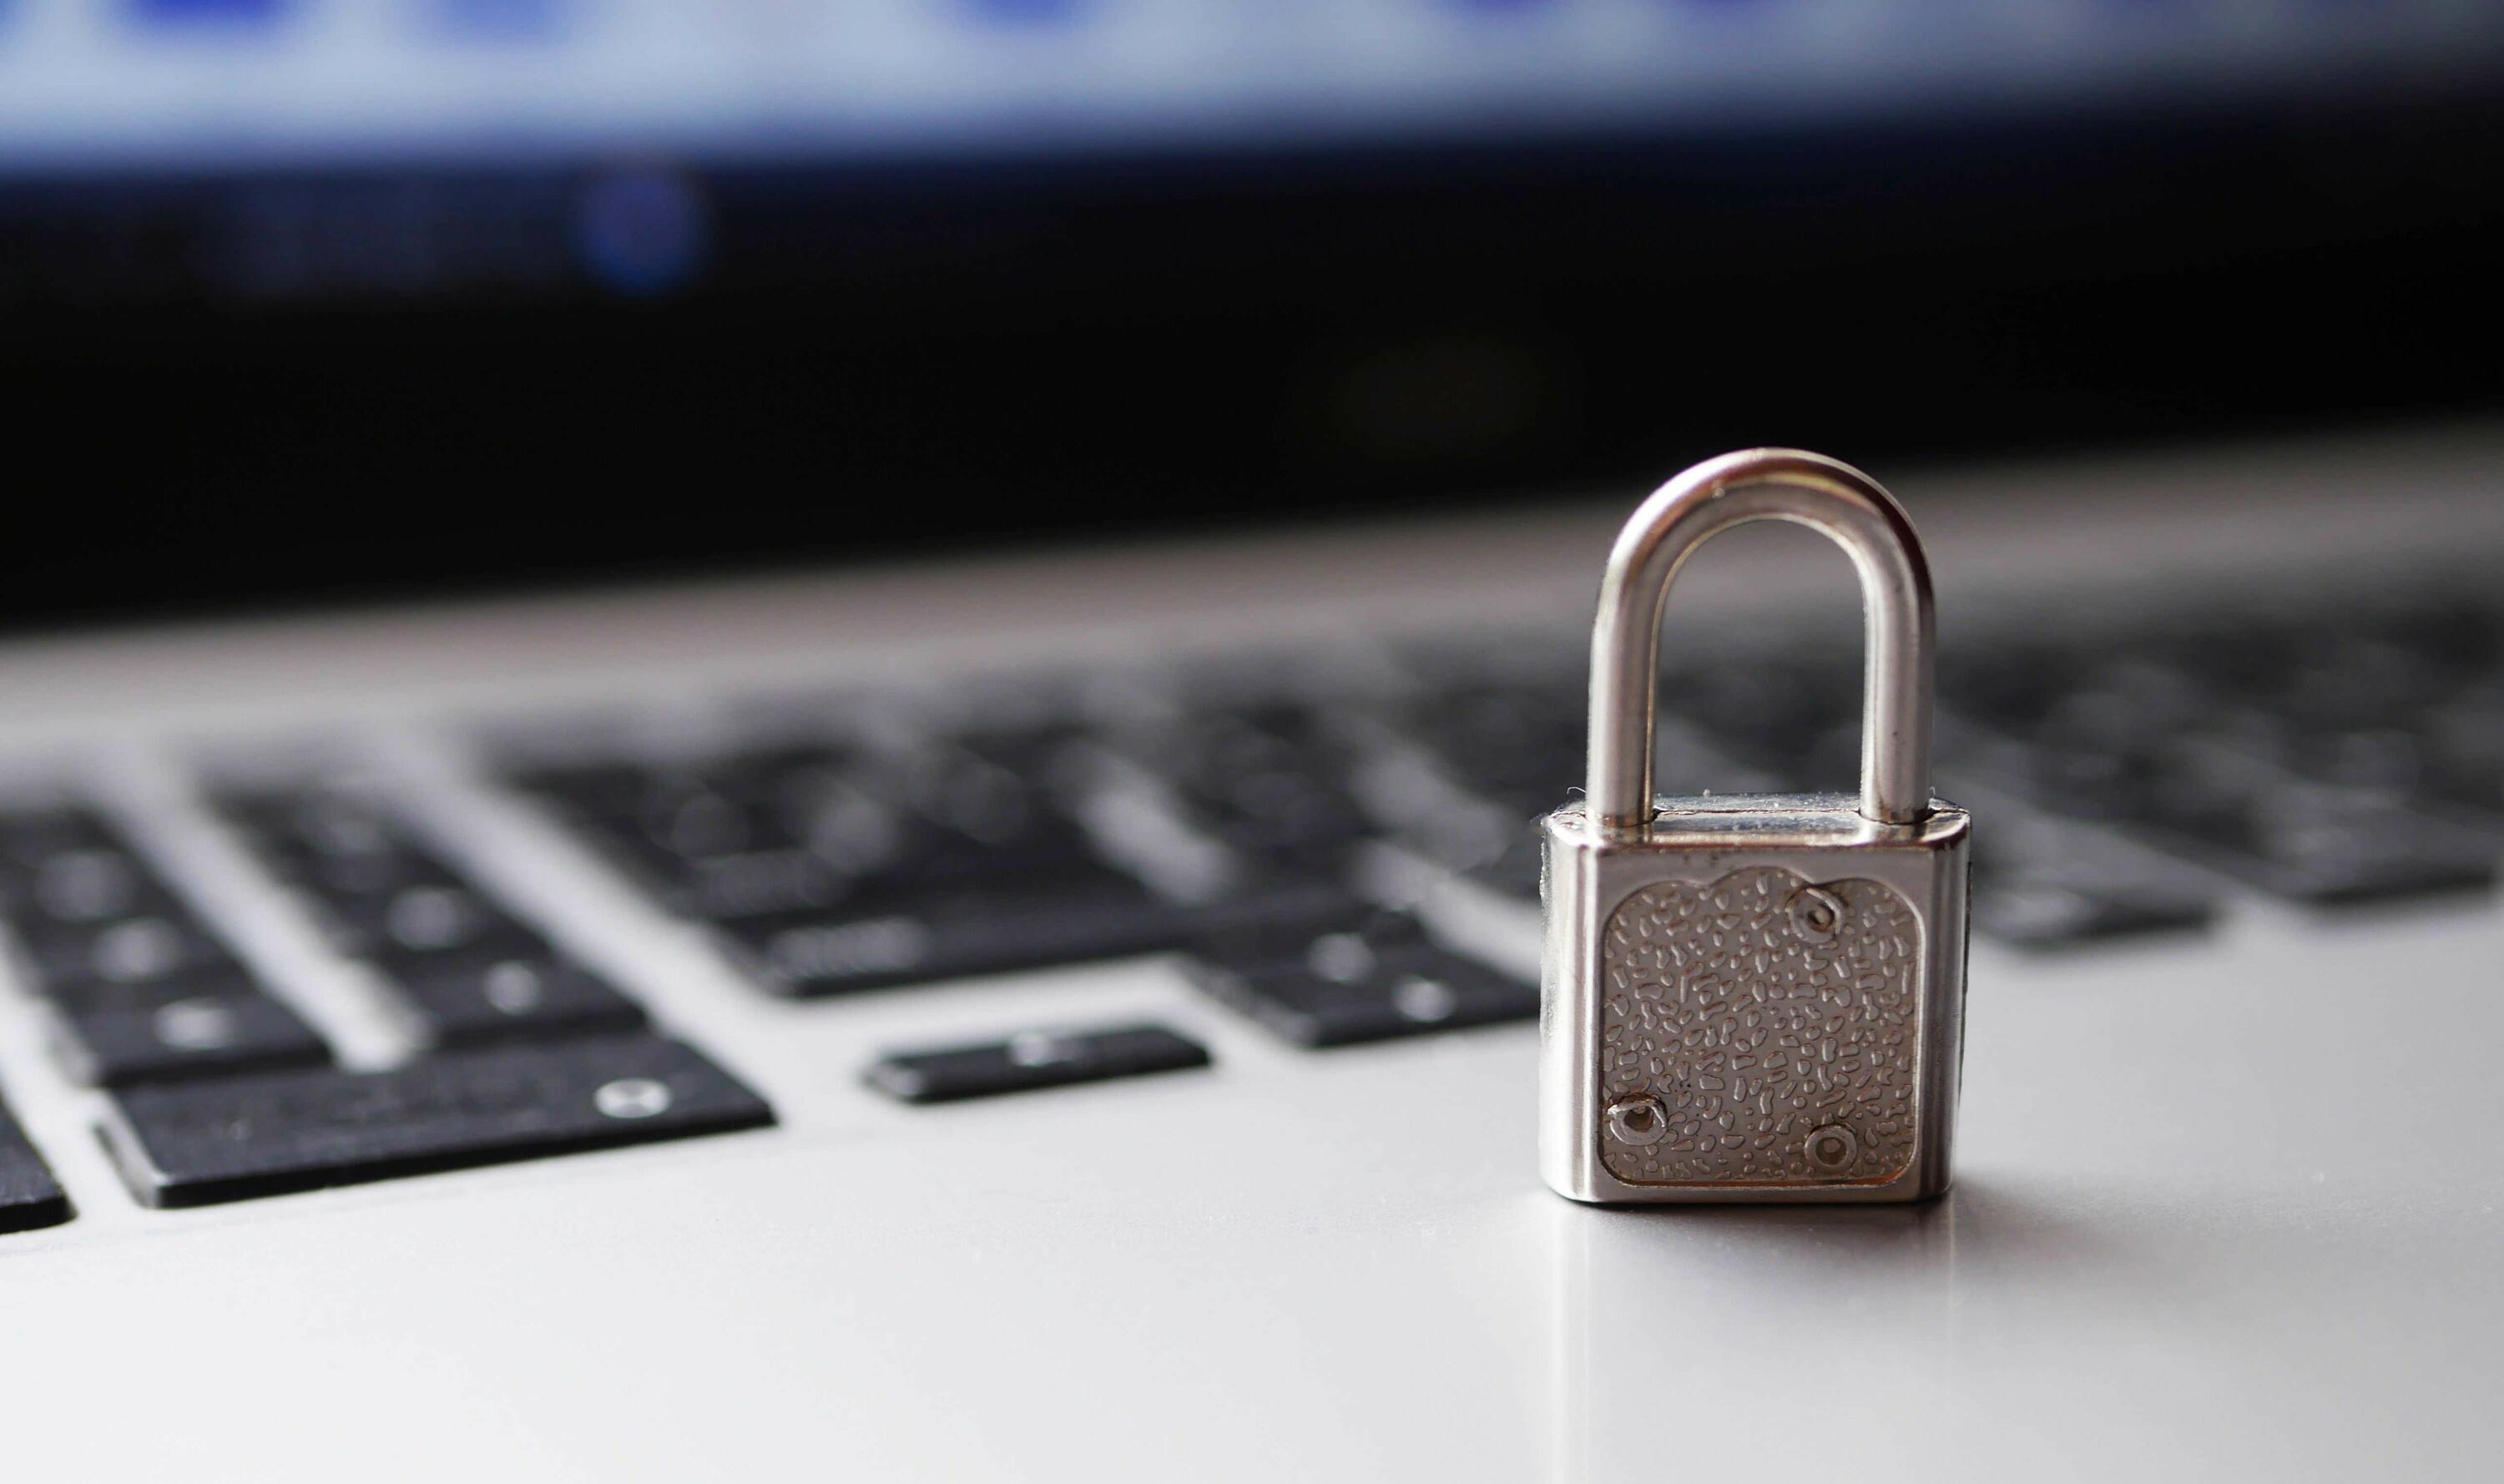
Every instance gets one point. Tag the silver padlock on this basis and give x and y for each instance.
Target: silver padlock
(1756, 998)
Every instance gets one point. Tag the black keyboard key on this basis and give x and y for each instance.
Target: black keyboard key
(922, 857)
(1035, 1060)
(628, 850)
(695, 819)
(72, 888)
(221, 1027)
(348, 878)
(1507, 740)
(779, 775)
(1283, 927)
(2338, 856)
(689, 801)
(2041, 883)
(2108, 783)
(717, 889)
(29, 1195)
(465, 999)
(315, 818)
(755, 883)
(152, 948)
(431, 920)
(1272, 781)
(1087, 916)
(1282, 825)
(956, 819)
(342, 850)
(32, 837)
(1343, 991)
(857, 833)
(1033, 847)
(603, 789)
(675, 815)
(198, 1143)
(224, 978)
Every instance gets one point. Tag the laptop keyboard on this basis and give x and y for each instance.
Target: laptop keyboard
(462, 968)
(1229, 812)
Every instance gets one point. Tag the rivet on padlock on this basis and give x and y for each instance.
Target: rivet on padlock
(1813, 1054)
(1638, 1120)
(1817, 913)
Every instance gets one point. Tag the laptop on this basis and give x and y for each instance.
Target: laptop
(789, 743)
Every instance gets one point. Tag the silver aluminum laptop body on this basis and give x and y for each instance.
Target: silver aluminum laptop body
(2226, 1203)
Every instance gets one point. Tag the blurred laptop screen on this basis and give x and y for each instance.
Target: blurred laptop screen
(213, 84)
(1149, 262)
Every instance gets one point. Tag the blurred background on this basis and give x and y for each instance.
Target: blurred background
(312, 299)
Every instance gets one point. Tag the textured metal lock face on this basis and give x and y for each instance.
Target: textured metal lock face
(1760, 1027)
(1757, 1002)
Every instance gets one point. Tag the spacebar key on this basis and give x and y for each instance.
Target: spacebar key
(193, 1143)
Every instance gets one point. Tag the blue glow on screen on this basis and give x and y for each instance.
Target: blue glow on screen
(104, 82)
(642, 232)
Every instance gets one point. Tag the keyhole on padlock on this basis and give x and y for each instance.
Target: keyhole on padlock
(1833, 1147)
(1638, 1121)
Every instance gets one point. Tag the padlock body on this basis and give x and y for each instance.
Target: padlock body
(1761, 999)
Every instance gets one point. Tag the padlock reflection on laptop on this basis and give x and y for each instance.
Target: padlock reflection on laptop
(1755, 998)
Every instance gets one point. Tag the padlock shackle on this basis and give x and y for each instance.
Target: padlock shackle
(1759, 484)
